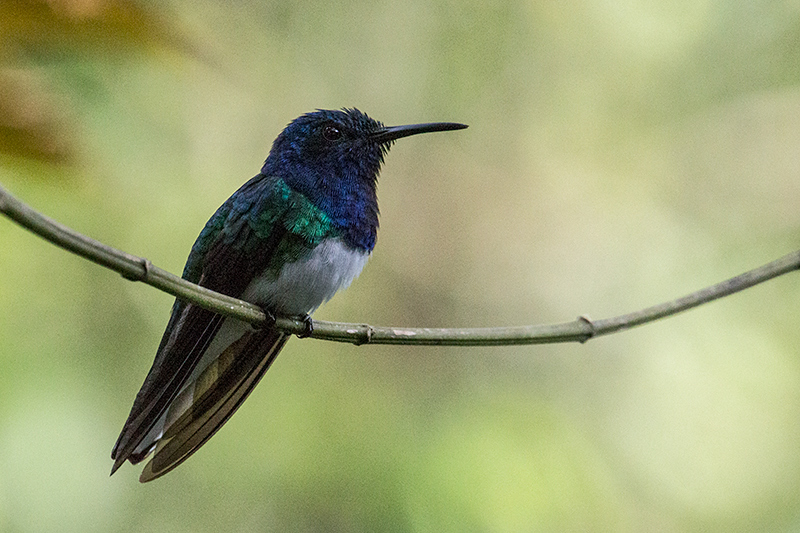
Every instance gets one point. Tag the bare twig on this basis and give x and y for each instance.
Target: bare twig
(139, 269)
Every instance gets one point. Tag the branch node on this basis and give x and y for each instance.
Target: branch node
(139, 276)
(588, 321)
(366, 338)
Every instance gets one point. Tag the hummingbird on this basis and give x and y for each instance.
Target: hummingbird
(286, 240)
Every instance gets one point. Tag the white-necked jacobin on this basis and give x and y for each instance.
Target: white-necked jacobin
(287, 240)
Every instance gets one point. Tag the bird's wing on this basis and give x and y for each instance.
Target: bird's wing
(218, 392)
(232, 249)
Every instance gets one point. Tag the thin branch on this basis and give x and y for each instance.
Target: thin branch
(139, 269)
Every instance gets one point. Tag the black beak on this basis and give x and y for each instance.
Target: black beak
(392, 133)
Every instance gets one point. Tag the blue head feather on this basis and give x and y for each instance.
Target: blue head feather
(331, 158)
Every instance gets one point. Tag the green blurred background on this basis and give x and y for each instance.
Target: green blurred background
(619, 154)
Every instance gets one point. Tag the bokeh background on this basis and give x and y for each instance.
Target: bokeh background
(619, 154)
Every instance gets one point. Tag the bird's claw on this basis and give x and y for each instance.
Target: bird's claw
(270, 319)
(308, 327)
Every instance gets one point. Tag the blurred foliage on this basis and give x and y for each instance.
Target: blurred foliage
(39, 33)
(619, 154)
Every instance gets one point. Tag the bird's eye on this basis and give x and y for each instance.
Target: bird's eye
(331, 133)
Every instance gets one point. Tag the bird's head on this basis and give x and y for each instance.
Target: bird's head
(332, 148)
(333, 157)
(327, 148)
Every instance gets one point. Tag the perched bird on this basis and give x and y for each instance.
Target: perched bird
(287, 240)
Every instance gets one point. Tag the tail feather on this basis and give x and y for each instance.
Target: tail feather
(215, 395)
(165, 381)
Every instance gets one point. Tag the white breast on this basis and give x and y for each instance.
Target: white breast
(304, 285)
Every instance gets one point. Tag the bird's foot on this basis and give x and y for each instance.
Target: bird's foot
(308, 327)
(270, 319)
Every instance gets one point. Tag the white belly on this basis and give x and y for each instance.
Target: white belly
(304, 285)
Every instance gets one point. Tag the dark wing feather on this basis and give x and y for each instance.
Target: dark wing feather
(238, 371)
(163, 382)
(230, 251)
